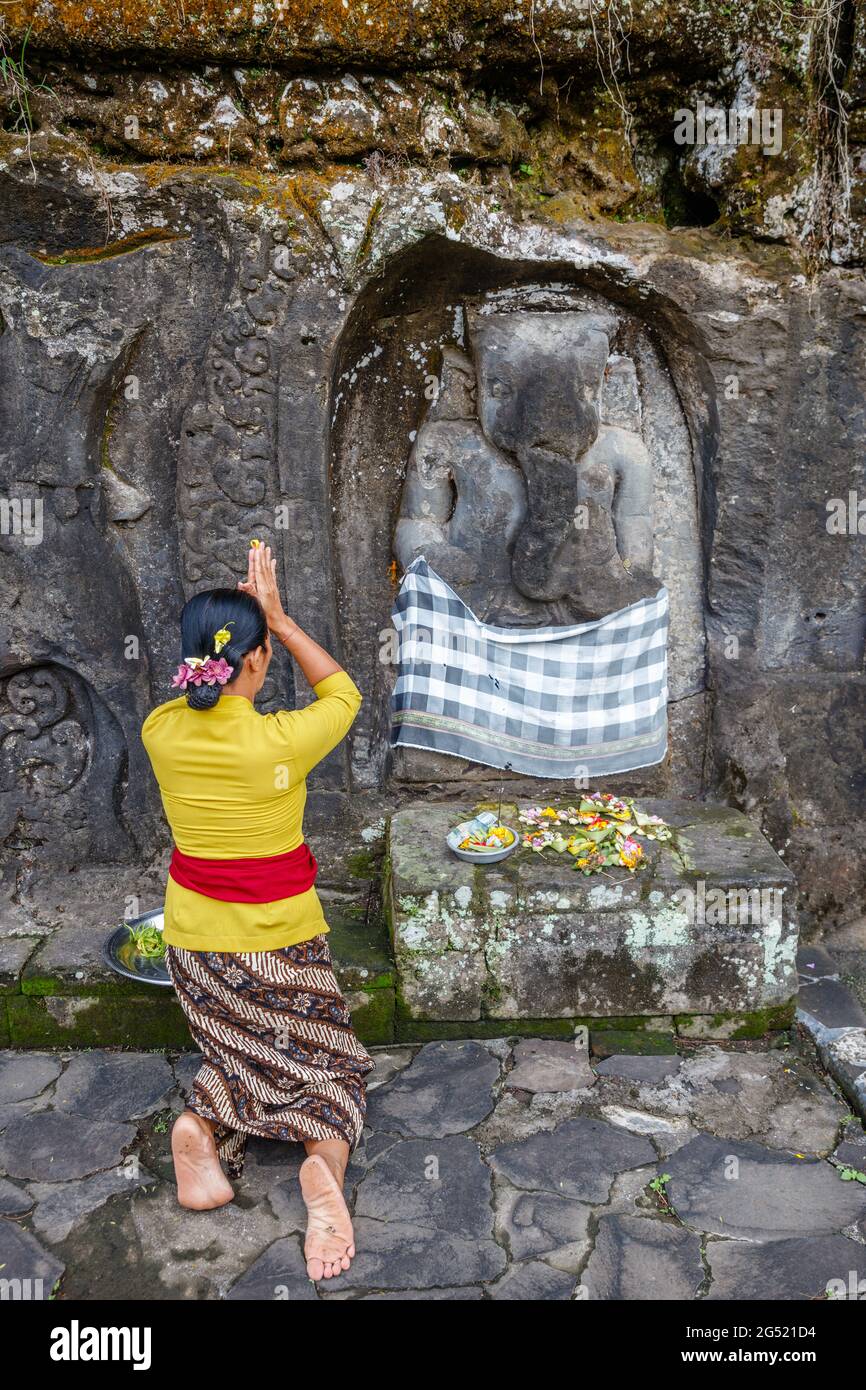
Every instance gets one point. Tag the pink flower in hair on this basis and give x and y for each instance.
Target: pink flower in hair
(183, 676)
(196, 671)
(216, 672)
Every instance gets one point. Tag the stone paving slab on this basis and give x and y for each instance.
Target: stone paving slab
(579, 1158)
(836, 1020)
(402, 1255)
(464, 1187)
(114, 1085)
(469, 1295)
(31, 1271)
(797, 1269)
(277, 1274)
(638, 1260)
(544, 1224)
(49, 1146)
(549, 1066)
(449, 1189)
(60, 1206)
(831, 1003)
(23, 1076)
(748, 1192)
(532, 1282)
(447, 1088)
(14, 1201)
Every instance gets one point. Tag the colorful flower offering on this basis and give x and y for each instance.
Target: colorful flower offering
(602, 831)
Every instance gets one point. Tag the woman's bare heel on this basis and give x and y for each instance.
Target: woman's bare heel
(201, 1182)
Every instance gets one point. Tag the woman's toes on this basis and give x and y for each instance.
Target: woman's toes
(315, 1269)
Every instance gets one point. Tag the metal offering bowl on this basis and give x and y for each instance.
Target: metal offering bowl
(118, 951)
(479, 856)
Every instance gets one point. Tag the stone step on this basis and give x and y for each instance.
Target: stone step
(57, 991)
(461, 951)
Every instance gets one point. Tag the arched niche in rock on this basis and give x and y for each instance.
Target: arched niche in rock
(542, 434)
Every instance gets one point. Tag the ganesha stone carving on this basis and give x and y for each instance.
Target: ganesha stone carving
(529, 486)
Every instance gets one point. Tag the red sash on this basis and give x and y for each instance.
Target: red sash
(263, 880)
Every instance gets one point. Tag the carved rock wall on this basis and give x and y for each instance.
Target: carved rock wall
(233, 253)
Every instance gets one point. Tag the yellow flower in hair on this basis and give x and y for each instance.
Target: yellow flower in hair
(221, 639)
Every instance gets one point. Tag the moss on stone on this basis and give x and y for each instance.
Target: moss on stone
(638, 1023)
(738, 1027)
(360, 951)
(426, 1030)
(116, 986)
(770, 1020)
(373, 1020)
(364, 863)
(86, 255)
(608, 1042)
(479, 904)
(97, 1022)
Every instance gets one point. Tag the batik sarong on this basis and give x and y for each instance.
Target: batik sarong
(279, 1056)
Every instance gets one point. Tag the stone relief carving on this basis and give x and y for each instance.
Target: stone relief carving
(529, 486)
(227, 486)
(63, 766)
(43, 752)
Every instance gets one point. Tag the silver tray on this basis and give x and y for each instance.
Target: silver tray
(479, 856)
(118, 952)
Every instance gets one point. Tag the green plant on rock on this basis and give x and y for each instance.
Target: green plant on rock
(17, 84)
(658, 1187)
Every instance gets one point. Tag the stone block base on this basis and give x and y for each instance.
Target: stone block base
(705, 931)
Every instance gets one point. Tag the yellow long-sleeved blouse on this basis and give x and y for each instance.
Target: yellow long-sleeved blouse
(233, 786)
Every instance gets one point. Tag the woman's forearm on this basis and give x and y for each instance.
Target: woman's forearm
(313, 660)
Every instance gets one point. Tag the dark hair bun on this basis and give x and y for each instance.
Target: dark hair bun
(206, 614)
(203, 696)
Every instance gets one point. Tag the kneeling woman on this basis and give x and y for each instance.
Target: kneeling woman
(246, 944)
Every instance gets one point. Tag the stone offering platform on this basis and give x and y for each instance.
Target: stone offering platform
(701, 940)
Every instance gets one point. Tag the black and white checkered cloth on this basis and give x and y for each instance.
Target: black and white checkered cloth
(575, 702)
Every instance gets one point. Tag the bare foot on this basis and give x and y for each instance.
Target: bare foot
(201, 1182)
(330, 1243)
